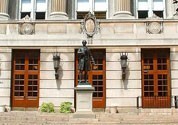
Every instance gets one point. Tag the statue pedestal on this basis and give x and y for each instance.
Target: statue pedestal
(84, 95)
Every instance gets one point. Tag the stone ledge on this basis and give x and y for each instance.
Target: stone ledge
(84, 115)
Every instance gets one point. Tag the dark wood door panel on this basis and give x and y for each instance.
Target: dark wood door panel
(156, 78)
(25, 78)
(156, 102)
(98, 82)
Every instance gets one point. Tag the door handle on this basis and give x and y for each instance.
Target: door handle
(145, 71)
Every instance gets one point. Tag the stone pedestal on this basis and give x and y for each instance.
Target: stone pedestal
(84, 106)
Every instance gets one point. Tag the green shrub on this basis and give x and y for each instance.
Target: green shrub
(47, 107)
(65, 107)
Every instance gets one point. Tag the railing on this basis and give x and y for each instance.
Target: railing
(176, 101)
(155, 101)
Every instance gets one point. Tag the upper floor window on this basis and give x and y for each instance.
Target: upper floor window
(35, 9)
(146, 8)
(97, 7)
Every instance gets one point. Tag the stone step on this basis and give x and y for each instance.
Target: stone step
(91, 121)
(36, 118)
(82, 123)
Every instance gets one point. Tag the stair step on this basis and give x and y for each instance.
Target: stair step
(102, 118)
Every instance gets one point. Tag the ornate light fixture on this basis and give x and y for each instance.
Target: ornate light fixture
(123, 58)
(56, 61)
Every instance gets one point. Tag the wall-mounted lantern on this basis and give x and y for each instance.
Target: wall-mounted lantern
(123, 58)
(56, 61)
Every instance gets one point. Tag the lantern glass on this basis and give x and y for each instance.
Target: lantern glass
(124, 63)
(56, 64)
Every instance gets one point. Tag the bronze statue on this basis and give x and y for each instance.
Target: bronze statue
(175, 2)
(85, 57)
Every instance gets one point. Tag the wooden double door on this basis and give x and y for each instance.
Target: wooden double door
(96, 77)
(156, 78)
(25, 78)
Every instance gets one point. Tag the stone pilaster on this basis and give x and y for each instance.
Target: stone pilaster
(58, 9)
(122, 9)
(4, 9)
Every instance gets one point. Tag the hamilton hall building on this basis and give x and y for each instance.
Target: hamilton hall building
(134, 44)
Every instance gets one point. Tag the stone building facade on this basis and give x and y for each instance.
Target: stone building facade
(146, 30)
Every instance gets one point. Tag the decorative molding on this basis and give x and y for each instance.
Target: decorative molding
(154, 25)
(27, 27)
(90, 26)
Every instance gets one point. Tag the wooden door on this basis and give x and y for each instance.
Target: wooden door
(25, 78)
(96, 77)
(156, 78)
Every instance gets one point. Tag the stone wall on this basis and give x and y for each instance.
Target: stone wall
(5, 76)
(123, 92)
(174, 72)
(115, 36)
(52, 90)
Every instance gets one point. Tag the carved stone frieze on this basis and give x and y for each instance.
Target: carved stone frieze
(154, 25)
(27, 27)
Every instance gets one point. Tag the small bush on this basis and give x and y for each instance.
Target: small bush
(65, 107)
(47, 107)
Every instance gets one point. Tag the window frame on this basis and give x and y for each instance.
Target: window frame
(33, 9)
(91, 8)
(151, 9)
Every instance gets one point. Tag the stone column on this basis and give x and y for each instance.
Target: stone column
(58, 9)
(122, 9)
(4, 9)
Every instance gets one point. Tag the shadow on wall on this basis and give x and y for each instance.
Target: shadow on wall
(59, 80)
(126, 80)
